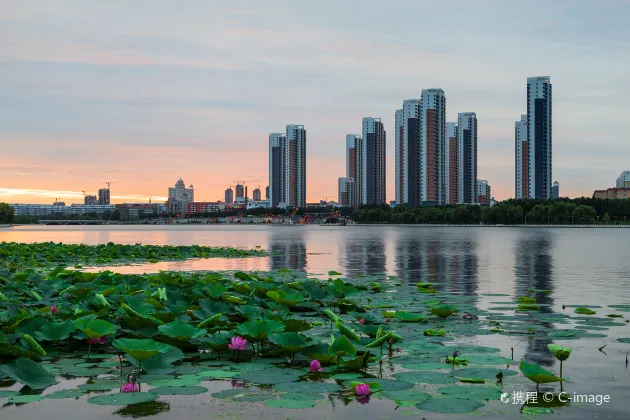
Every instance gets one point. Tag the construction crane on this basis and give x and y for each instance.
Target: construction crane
(109, 182)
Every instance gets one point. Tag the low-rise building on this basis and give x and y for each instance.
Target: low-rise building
(483, 192)
(258, 204)
(201, 207)
(613, 193)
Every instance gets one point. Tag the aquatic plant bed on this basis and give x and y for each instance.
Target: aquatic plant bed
(16, 256)
(277, 338)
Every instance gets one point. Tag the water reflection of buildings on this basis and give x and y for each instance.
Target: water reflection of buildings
(533, 268)
(451, 262)
(288, 250)
(364, 256)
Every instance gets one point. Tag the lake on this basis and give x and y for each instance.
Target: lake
(586, 267)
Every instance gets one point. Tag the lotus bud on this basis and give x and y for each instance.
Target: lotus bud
(132, 379)
(387, 320)
(380, 362)
(391, 340)
(54, 310)
(454, 354)
(362, 321)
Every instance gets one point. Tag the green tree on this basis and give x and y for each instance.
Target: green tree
(606, 219)
(584, 215)
(6, 213)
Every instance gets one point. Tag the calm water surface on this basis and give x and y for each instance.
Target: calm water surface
(577, 266)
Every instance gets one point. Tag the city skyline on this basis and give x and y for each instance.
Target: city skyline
(89, 99)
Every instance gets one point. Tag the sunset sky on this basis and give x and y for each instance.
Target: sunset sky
(143, 92)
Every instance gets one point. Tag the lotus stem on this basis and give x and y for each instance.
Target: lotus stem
(561, 370)
(89, 348)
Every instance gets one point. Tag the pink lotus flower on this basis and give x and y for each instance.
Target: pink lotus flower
(129, 387)
(238, 343)
(100, 340)
(362, 321)
(236, 384)
(54, 310)
(362, 390)
(387, 320)
(316, 366)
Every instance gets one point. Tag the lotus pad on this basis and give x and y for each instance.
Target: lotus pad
(174, 382)
(471, 392)
(64, 394)
(123, 398)
(288, 403)
(179, 390)
(307, 387)
(407, 397)
(485, 373)
(449, 405)
(254, 397)
(29, 373)
(7, 394)
(427, 366)
(23, 399)
(218, 374)
(423, 377)
(392, 385)
(271, 377)
(489, 360)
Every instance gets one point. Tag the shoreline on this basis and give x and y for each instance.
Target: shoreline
(496, 226)
(5, 226)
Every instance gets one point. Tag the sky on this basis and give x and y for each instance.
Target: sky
(140, 93)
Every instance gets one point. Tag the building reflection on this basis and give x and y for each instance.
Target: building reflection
(533, 269)
(288, 250)
(364, 256)
(452, 263)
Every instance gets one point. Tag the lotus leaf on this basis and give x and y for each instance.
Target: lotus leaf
(584, 311)
(471, 392)
(24, 399)
(259, 330)
(405, 316)
(140, 349)
(348, 332)
(307, 387)
(123, 398)
(537, 374)
(28, 373)
(64, 394)
(95, 328)
(342, 347)
(434, 333)
(449, 405)
(181, 330)
(290, 341)
(179, 390)
(290, 403)
(56, 331)
(443, 311)
(561, 353)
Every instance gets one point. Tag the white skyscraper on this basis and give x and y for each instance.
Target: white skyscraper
(373, 167)
(539, 136)
(467, 158)
(277, 172)
(521, 181)
(432, 145)
(295, 166)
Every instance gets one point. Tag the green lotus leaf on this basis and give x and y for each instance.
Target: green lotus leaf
(219, 374)
(179, 390)
(59, 395)
(290, 341)
(181, 330)
(489, 360)
(464, 392)
(584, 311)
(216, 290)
(342, 347)
(537, 374)
(259, 330)
(95, 328)
(561, 353)
(348, 332)
(174, 382)
(332, 316)
(140, 349)
(482, 372)
(28, 373)
(290, 403)
(307, 387)
(7, 394)
(380, 340)
(457, 360)
(443, 311)
(138, 313)
(125, 398)
(57, 331)
(234, 299)
(425, 377)
(449, 405)
(296, 325)
(407, 397)
(34, 345)
(434, 333)
(271, 376)
(24, 399)
(358, 363)
(210, 320)
(405, 316)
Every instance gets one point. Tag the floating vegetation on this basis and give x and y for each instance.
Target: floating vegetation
(16, 256)
(278, 338)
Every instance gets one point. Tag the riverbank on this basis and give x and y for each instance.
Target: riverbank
(5, 226)
(489, 226)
